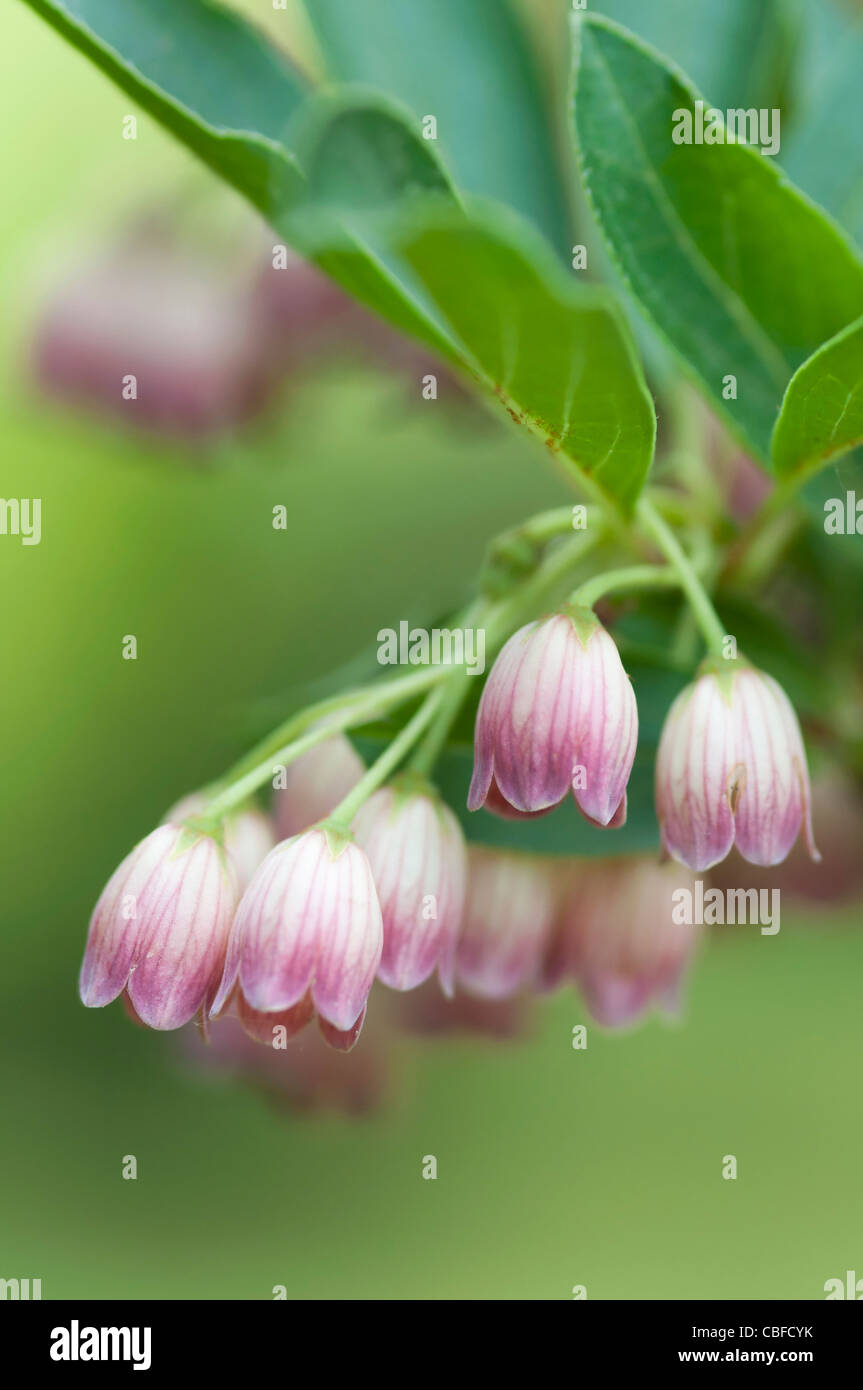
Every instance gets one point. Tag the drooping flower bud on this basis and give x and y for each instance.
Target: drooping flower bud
(619, 939)
(417, 853)
(179, 333)
(315, 784)
(557, 714)
(160, 929)
(509, 914)
(307, 936)
(249, 834)
(731, 770)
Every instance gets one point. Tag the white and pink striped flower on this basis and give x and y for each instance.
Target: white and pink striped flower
(731, 770)
(618, 940)
(307, 938)
(509, 915)
(557, 714)
(418, 857)
(315, 784)
(160, 929)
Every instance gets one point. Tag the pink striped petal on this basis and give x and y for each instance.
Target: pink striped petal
(342, 1039)
(309, 921)
(625, 950)
(509, 913)
(525, 724)
(606, 730)
(497, 804)
(614, 1001)
(185, 918)
(262, 1027)
(276, 926)
(696, 775)
(557, 711)
(351, 939)
(774, 796)
(417, 854)
(115, 925)
(315, 784)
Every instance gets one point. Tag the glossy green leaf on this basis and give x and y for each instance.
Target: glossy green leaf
(822, 414)
(742, 275)
(361, 162)
(555, 353)
(468, 64)
(205, 74)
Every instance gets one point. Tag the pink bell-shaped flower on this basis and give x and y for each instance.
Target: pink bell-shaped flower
(307, 938)
(509, 914)
(620, 939)
(557, 714)
(731, 770)
(315, 784)
(418, 857)
(160, 929)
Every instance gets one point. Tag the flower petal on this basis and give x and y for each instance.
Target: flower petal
(115, 925)
(695, 764)
(185, 918)
(606, 730)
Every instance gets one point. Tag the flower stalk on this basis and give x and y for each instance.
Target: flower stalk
(702, 608)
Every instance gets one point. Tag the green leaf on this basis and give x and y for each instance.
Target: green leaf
(490, 297)
(205, 74)
(737, 51)
(485, 290)
(468, 64)
(217, 85)
(361, 161)
(823, 153)
(739, 271)
(555, 353)
(822, 414)
(362, 154)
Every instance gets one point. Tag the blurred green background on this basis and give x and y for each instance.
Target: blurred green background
(555, 1167)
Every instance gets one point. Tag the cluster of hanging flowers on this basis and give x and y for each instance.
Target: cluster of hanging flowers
(280, 932)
